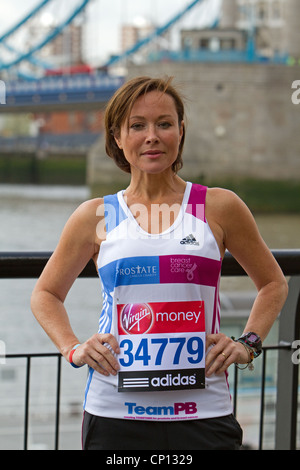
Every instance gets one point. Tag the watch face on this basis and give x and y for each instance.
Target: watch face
(252, 337)
(254, 341)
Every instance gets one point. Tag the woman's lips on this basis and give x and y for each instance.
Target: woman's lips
(152, 153)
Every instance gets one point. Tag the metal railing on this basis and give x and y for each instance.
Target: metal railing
(30, 265)
(28, 358)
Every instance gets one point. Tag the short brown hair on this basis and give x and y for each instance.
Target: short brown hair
(119, 108)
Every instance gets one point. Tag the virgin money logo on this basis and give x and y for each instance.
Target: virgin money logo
(136, 319)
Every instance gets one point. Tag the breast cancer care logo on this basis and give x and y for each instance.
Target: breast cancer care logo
(136, 319)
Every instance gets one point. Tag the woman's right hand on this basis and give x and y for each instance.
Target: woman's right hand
(99, 353)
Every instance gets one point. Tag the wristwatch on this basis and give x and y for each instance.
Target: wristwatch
(253, 341)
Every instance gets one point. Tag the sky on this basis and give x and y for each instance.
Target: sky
(104, 18)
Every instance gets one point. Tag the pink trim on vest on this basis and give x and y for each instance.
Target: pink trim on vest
(196, 202)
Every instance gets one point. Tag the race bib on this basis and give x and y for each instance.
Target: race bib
(162, 346)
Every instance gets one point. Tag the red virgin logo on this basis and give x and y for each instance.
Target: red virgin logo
(136, 319)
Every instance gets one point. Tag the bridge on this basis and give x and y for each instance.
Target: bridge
(32, 85)
(88, 91)
(32, 91)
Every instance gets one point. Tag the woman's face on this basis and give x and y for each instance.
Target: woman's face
(151, 136)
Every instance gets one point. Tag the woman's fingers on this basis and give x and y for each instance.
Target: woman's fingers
(99, 352)
(222, 351)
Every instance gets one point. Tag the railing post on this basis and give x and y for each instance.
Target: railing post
(287, 372)
(57, 402)
(26, 411)
(262, 400)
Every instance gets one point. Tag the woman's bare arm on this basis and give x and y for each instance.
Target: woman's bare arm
(234, 223)
(78, 244)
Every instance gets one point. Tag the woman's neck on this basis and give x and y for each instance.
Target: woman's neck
(155, 188)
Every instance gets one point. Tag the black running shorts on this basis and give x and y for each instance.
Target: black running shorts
(223, 433)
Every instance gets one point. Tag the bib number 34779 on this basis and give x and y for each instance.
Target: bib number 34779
(162, 351)
(157, 351)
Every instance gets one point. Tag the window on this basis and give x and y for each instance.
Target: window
(276, 10)
(228, 44)
(262, 11)
(204, 43)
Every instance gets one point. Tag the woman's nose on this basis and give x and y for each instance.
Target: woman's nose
(152, 135)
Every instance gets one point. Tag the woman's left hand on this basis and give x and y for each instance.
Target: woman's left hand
(222, 351)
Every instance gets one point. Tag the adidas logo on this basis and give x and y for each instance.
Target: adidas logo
(189, 240)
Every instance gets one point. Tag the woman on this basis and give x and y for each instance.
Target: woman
(158, 365)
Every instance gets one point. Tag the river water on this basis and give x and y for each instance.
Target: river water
(31, 219)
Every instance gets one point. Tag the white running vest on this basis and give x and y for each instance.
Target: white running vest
(160, 299)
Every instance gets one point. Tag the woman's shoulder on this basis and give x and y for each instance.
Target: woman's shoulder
(226, 208)
(91, 204)
(85, 218)
(223, 200)
(90, 208)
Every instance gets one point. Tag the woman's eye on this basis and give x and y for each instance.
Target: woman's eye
(165, 125)
(137, 126)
